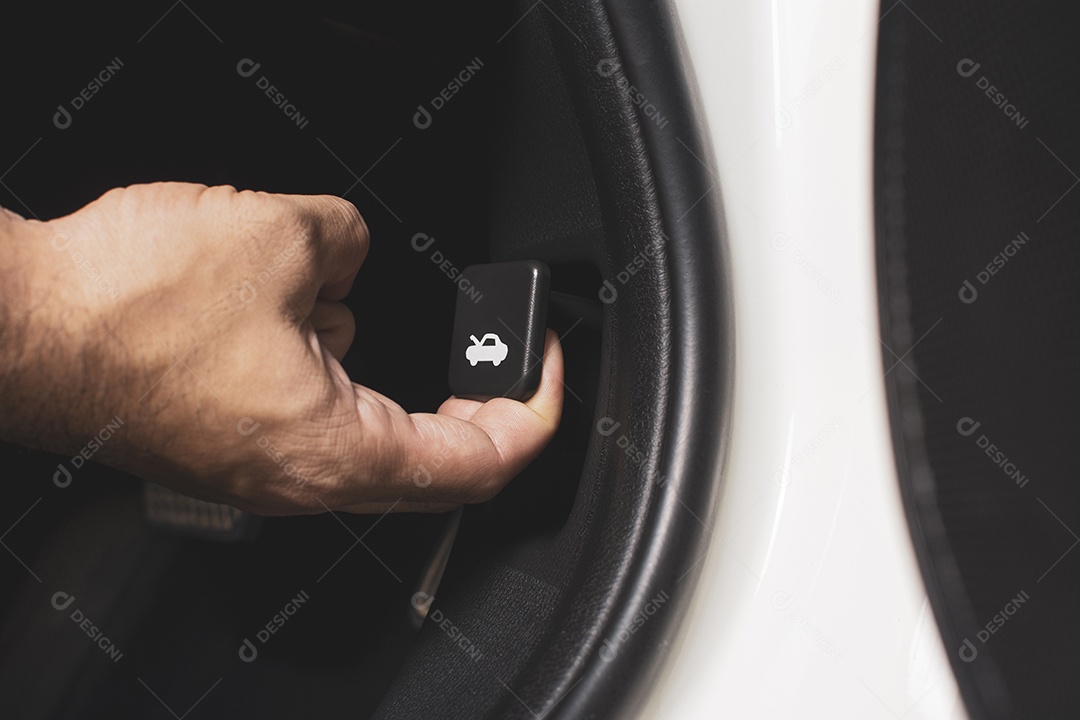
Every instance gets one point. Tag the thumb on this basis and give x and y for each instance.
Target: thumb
(469, 450)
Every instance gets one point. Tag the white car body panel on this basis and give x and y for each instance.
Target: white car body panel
(810, 604)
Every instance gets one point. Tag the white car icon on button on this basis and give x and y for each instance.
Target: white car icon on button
(488, 349)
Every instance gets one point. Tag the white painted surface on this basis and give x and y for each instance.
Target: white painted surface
(811, 604)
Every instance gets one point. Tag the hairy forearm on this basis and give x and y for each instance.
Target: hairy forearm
(35, 401)
(14, 290)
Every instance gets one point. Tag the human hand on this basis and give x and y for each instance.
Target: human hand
(208, 321)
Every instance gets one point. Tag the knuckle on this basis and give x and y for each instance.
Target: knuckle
(115, 194)
(349, 218)
(225, 193)
(343, 208)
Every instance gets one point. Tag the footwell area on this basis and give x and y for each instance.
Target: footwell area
(311, 619)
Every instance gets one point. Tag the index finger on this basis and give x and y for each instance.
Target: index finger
(342, 239)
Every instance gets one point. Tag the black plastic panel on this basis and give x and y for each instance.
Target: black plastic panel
(978, 216)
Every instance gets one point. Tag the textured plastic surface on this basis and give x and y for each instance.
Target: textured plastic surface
(498, 342)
